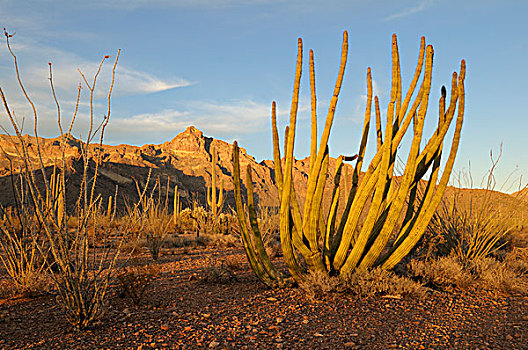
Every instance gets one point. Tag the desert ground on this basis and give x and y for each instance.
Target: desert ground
(183, 307)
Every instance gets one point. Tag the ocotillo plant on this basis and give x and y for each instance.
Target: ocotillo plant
(214, 203)
(394, 216)
(81, 275)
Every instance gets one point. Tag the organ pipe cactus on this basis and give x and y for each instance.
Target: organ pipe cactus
(384, 216)
(214, 203)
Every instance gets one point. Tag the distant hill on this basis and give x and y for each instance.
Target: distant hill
(186, 161)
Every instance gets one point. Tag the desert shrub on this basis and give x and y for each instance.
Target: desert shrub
(495, 275)
(217, 273)
(134, 280)
(362, 283)
(507, 276)
(221, 240)
(376, 282)
(318, 285)
(446, 272)
(235, 263)
(517, 260)
(153, 217)
(179, 241)
(475, 224)
(19, 251)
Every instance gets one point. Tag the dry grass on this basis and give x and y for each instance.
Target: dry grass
(446, 272)
(362, 283)
(134, 281)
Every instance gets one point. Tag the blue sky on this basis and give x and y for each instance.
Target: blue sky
(219, 64)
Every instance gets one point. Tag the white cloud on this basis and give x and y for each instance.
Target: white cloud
(420, 6)
(229, 119)
(237, 116)
(33, 63)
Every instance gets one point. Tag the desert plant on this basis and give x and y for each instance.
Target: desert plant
(361, 282)
(19, 252)
(176, 208)
(80, 273)
(154, 218)
(445, 272)
(134, 280)
(476, 227)
(215, 203)
(218, 273)
(396, 217)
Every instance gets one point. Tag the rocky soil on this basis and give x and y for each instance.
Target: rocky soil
(182, 311)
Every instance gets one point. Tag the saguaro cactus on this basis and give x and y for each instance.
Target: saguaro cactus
(176, 207)
(214, 203)
(383, 218)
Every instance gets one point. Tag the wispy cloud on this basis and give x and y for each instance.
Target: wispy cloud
(33, 60)
(420, 6)
(227, 120)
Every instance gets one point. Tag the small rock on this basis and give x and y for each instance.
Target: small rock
(279, 319)
(213, 344)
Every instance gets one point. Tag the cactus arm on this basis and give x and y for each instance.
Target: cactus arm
(246, 239)
(414, 82)
(285, 223)
(221, 195)
(413, 192)
(314, 259)
(276, 149)
(428, 210)
(315, 171)
(209, 200)
(380, 191)
(397, 116)
(349, 222)
(400, 196)
(313, 146)
(257, 237)
(357, 171)
(295, 215)
(379, 133)
(431, 148)
(330, 222)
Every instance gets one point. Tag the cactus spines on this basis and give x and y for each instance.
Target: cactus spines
(215, 203)
(392, 208)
